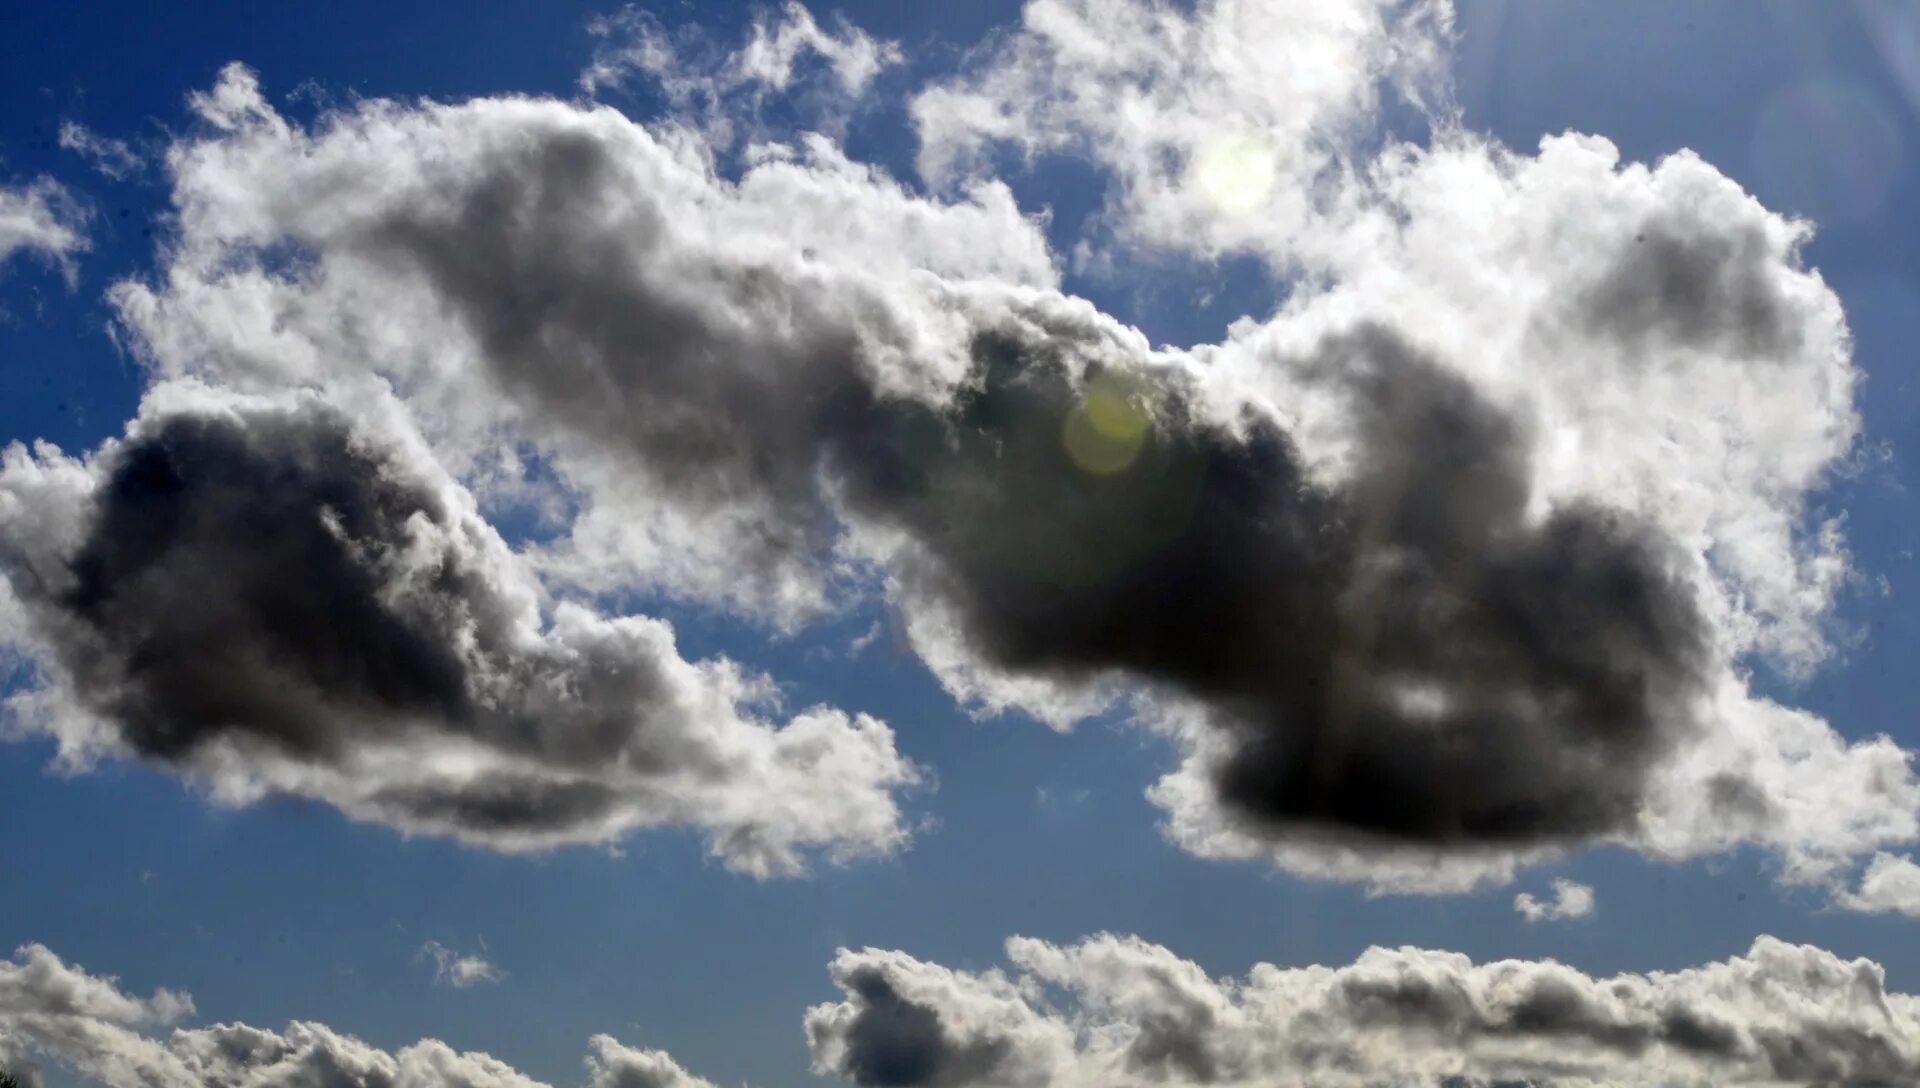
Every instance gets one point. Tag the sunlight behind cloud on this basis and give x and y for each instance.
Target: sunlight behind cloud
(1104, 433)
(1235, 174)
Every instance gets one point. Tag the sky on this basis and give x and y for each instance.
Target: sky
(1065, 543)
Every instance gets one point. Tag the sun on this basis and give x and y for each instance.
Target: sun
(1235, 174)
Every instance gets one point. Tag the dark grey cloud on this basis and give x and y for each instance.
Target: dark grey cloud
(1402, 655)
(1678, 282)
(722, 384)
(233, 582)
(898, 1043)
(268, 593)
(1420, 577)
(1405, 654)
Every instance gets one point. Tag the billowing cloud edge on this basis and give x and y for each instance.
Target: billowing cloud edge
(413, 673)
(1119, 1011)
(1662, 294)
(53, 1011)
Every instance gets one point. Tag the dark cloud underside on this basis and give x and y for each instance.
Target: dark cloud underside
(1407, 655)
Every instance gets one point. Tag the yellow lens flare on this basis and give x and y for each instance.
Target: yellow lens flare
(1106, 431)
(1235, 174)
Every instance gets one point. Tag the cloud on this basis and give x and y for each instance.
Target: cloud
(279, 595)
(615, 1066)
(44, 218)
(50, 1009)
(1192, 551)
(1890, 885)
(1111, 1011)
(1115, 1011)
(1570, 900)
(109, 156)
(1236, 126)
(459, 970)
(719, 90)
(56, 1011)
(1458, 560)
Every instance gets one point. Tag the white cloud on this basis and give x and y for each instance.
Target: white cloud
(1571, 899)
(615, 1066)
(110, 156)
(1116, 1011)
(1238, 126)
(54, 1011)
(722, 92)
(774, 48)
(1890, 885)
(42, 217)
(460, 970)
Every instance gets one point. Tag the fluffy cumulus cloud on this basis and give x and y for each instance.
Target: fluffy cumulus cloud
(1890, 885)
(42, 218)
(1458, 558)
(1571, 899)
(279, 595)
(54, 1012)
(1110, 1011)
(1117, 1011)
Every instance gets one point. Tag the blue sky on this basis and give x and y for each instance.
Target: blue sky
(288, 910)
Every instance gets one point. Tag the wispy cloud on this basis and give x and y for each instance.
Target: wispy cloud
(459, 970)
(112, 157)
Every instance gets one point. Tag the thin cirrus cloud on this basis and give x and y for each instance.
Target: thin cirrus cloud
(1457, 561)
(112, 157)
(1109, 1011)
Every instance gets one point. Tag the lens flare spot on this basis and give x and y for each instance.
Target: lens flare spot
(1236, 174)
(1105, 432)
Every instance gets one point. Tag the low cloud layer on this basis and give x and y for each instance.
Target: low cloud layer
(54, 1012)
(274, 597)
(1457, 559)
(1117, 1011)
(1109, 1012)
